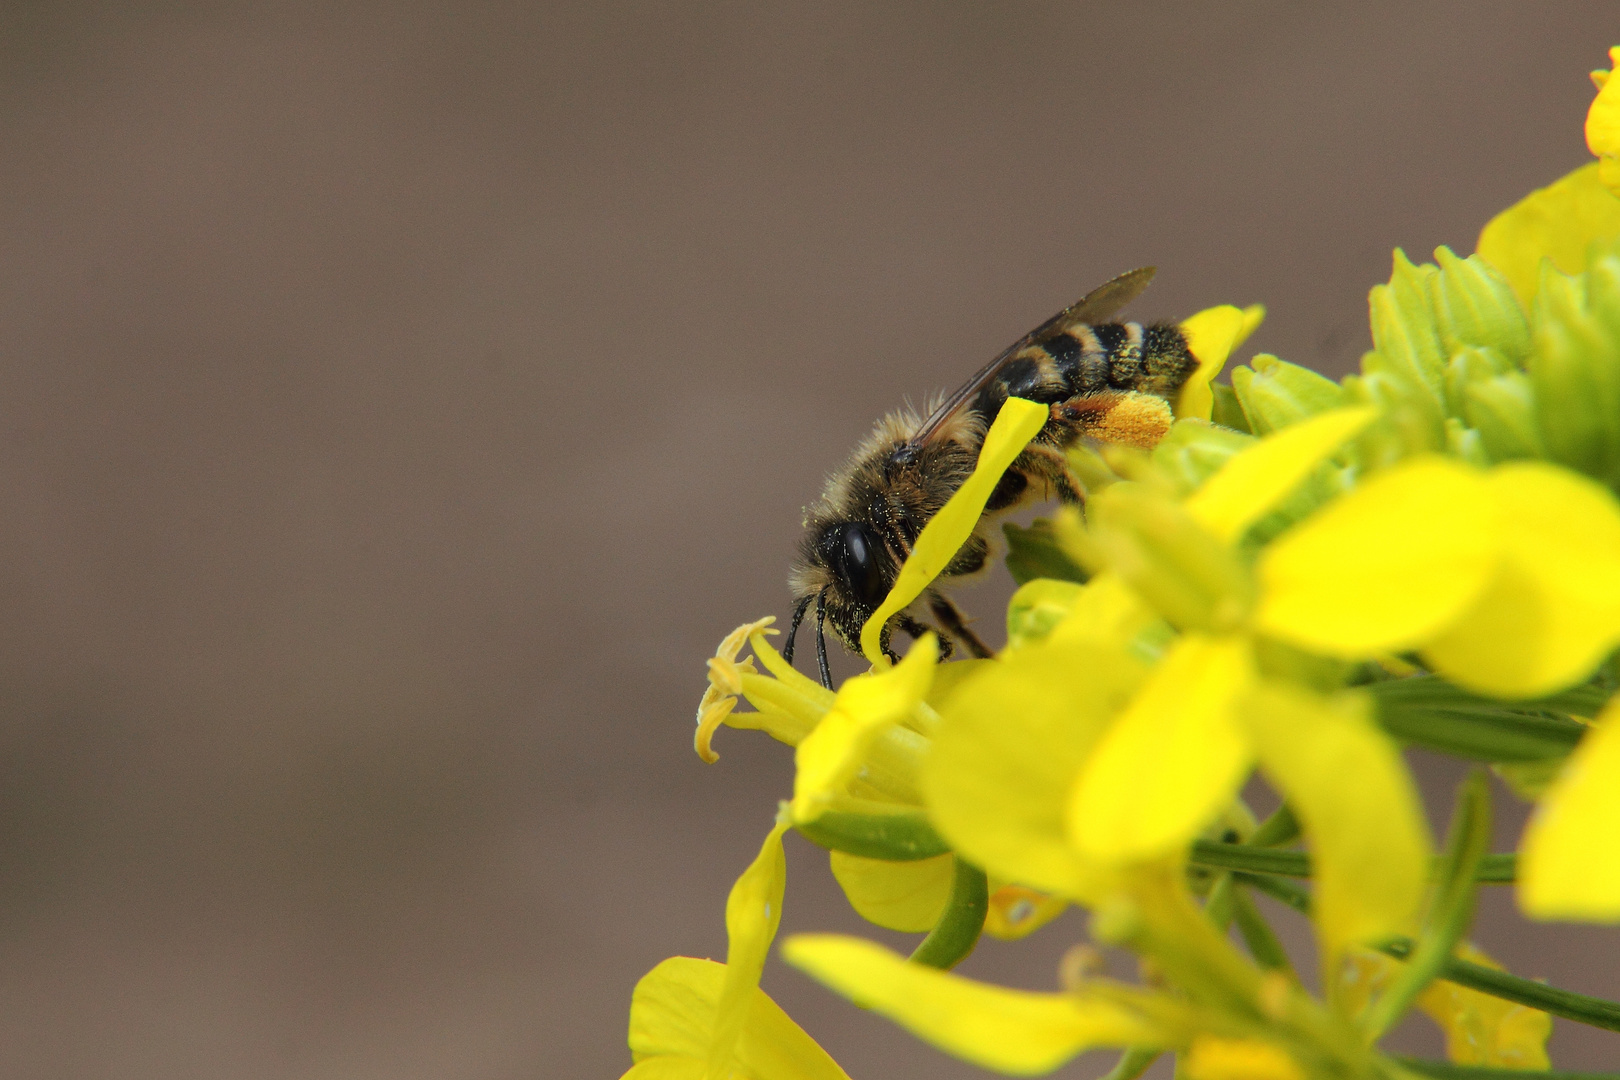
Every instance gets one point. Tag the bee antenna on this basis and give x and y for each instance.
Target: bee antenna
(793, 628)
(821, 638)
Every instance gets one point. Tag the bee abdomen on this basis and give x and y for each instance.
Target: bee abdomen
(1093, 360)
(1122, 356)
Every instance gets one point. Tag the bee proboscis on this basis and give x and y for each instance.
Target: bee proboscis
(1094, 375)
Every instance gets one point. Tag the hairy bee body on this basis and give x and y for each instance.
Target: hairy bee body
(862, 528)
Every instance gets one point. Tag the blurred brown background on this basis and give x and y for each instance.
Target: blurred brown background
(398, 402)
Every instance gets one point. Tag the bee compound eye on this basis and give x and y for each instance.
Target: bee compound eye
(859, 565)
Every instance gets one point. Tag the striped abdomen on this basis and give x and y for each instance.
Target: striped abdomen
(1084, 360)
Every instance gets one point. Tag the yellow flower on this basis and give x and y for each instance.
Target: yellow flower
(1569, 867)
(1603, 125)
(1215, 1058)
(699, 1020)
(1212, 336)
(1146, 783)
(1507, 581)
(1011, 1031)
(1479, 1029)
(1557, 222)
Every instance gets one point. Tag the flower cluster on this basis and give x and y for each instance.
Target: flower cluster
(1302, 578)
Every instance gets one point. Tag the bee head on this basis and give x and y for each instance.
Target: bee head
(844, 571)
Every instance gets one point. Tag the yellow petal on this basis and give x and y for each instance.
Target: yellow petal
(905, 896)
(753, 912)
(830, 756)
(1011, 1031)
(1212, 336)
(1386, 567)
(1171, 762)
(1252, 483)
(1603, 122)
(937, 544)
(671, 1014)
(1558, 222)
(1485, 1030)
(1569, 862)
(1361, 813)
(1552, 613)
(1214, 1058)
(1479, 1029)
(1013, 740)
(1015, 911)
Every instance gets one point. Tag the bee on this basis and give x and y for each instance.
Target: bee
(1103, 380)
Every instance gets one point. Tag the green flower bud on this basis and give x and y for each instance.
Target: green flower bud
(1575, 367)
(1172, 562)
(1475, 306)
(1503, 410)
(1409, 423)
(1228, 410)
(1193, 451)
(1463, 442)
(1404, 331)
(1276, 393)
(1036, 608)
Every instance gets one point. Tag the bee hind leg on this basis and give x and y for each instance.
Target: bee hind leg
(1049, 464)
(955, 624)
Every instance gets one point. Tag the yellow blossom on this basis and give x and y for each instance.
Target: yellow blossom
(1212, 336)
(1012, 1031)
(1557, 222)
(699, 1020)
(1479, 1029)
(1603, 125)
(1569, 866)
(1214, 1058)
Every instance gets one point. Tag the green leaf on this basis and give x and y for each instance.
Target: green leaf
(1034, 553)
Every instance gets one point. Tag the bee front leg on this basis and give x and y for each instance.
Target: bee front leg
(955, 623)
(917, 629)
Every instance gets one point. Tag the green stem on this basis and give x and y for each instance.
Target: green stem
(1281, 827)
(1591, 1011)
(1428, 711)
(1287, 892)
(1447, 1071)
(1132, 1063)
(1263, 945)
(1497, 869)
(957, 931)
(1452, 909)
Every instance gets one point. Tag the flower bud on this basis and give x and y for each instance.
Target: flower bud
(1475, 306)
(1503, 410)
(1463, 443)
(1275, 393)
(1172, 562)
(1403, 328)
(1194, 451)
(1575, 367)
(1410, 424)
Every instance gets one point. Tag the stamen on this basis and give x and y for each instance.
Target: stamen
(710, 716)
(725, 683)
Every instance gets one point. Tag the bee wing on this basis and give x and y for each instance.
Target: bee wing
(1096, 306)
